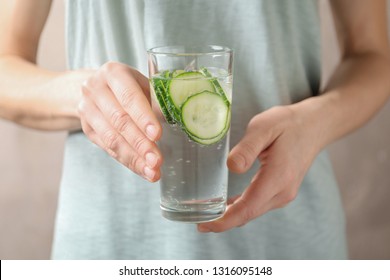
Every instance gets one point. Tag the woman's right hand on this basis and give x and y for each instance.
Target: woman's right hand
(116, 114)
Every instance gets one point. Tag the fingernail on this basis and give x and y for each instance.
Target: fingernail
(151, 132)
(151, 159)
(239, 161)
(149, 173)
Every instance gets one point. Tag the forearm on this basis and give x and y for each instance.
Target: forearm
(357, 90)
(38, 98)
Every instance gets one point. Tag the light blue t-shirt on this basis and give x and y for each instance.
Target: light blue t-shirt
(107, 212)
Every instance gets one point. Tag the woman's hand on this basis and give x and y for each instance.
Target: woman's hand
(285, 142)
(116, 114)
(286, 139)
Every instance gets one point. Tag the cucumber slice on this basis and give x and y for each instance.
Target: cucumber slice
(159, 87)
(167, 74)
(186, 84)
(213, 140)
(205, 116)
(215, 83)
(177, 73)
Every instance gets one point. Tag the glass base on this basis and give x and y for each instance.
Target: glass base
(194, 213)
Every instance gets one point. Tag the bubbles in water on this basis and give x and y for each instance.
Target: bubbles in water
(194, 175)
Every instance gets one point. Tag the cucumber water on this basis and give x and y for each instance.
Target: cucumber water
(194, 108)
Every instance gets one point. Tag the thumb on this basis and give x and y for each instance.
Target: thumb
(244, 154)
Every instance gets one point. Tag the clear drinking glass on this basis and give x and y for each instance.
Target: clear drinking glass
(191, 88)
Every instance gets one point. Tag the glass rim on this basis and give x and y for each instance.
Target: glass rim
(214, 49)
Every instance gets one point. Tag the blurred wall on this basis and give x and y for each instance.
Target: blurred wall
(361, 163)
(30, 169)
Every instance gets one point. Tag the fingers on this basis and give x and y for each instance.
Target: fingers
(116, 115)
(277, 140)
(231, 200)
(254, 201)
(239, 214)
(125, 126)
(104, 135)
(257, 138)
(131, 96)
(274, 186)
(143, 82)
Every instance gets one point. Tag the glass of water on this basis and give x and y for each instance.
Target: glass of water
(191, 88)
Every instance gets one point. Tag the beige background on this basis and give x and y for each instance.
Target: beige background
(30, 170)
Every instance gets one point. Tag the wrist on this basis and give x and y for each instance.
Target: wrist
(317, 116)
(73, 81)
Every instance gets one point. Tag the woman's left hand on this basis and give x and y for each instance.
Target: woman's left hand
(285, 141)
